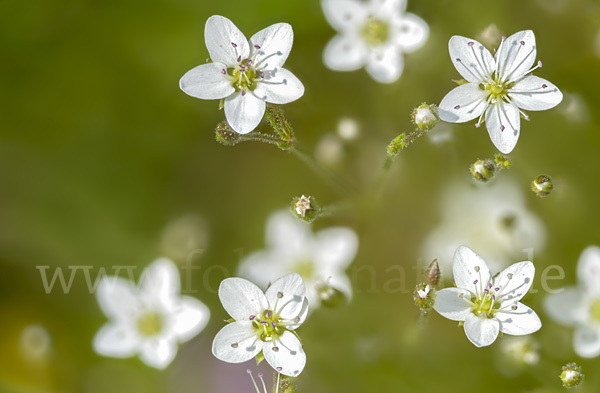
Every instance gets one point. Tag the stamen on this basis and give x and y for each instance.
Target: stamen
(502, 127)
(522, 42)
(257, 46)
(253, 381)
(268, 314)
(262, 75)
(510, 276)
(252, 317)
(243, 93)
(264, 323)
(234, 44)
(477, 268)
(478, 124)
(274, 325)
(470, 43)
(514, 308)
(234, 345)
(544, 86)
(224, 72)
(457, 107)
(260, 376)
(239, 58)
(475, 282)
(279, 295)
(275, 349)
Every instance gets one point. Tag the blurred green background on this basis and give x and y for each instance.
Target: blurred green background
(100, 151)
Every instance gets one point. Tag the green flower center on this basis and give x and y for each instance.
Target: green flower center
(268, 325)
(595, 310)
(375, 32)
(496, 89)
(305, 268)
(244, 77)
(485, 306)
(150, 323)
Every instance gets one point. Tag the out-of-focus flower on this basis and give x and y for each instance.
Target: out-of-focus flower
(580, 306)
(185, 237)
(35, 343)
(320, 258)
(244, 74)
(488, 305)
(498, 88)
(492, 218)
(263, 322)
(348, 129)
(574, 108)
(521, 350)
(373, 35)
(148, 320)
(329, 150)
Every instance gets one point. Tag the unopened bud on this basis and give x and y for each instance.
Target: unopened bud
(330, 297)
(397, 144)
(502, 161)
(432, 273)
(425, 116)
(424, 296)
(226, 135)
(305, 208)
(542, 186)
(571, 376)
(483, 170)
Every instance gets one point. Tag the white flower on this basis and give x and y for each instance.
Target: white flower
(488, 305)
(263, 322)
(148, 320)
(320, 258)
(372, 34)
(493, 219)
(245, 74)
(580, 306)
(498, 87)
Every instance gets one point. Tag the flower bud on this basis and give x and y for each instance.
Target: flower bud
(483, 170)
(542, 186)
(397, 144)
(226, 135)
(502, 161)
(330, 297)
(424, 296)
(571, 376)
(305, 208)
(425, 116)
(432, 273)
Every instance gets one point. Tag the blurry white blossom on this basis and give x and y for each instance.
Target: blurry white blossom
(35, 343)
(498, 87)
(348, 129)
(246, 74)
(580, 306)
(492, 218)
(521, 350)
(574, 108)
(184, 237)
(148, 320)
(372, 34)
(263, 322)
(321, 258)
(329, 150)
(488, 304)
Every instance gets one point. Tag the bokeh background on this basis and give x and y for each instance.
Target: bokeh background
(101, 155)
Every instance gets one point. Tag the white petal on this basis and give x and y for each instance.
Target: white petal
(412, 32)
(566, 307)
(220, 34)
(586, 341)
(237, 343)
(158, 353)
(513, 290)
(279, 87)
(385, 8)
(263, 267)
(449, 304)
(301, 317)
(288, 235)
(481, 331)
(516, 55)
(344, 15)
(190, 316)
(530, 94)
(463, 103)
(518, 322)
(335, 248)
(471, 59)
(159, 284)
(385, 64)
(244, 112)
(588, 269)
(345, 53)
(286, 296)
(117, 298)
(242, 299)
(470, 270)
(339, 281)
(207, 82)
(275, 43)
(116, 340)
(289, 354)
(503, 124)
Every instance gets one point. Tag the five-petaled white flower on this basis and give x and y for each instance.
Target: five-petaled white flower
(245, 74)
(320, 258)
(498, 87)
(488, 305)
(263, 322)
(580, 306)
(372, 34)
(149, 320)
